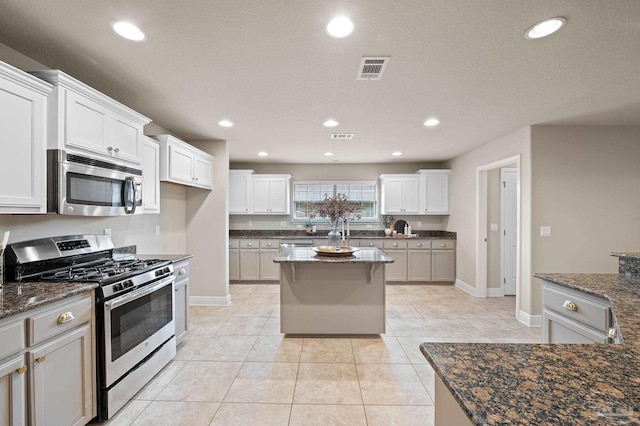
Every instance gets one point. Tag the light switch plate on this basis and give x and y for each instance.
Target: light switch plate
(494, 226)
(545, 231)
(283, 223)
(250, 223)
(157, 229)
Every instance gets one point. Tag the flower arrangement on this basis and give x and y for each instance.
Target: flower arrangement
(335, 208)
(388, 220)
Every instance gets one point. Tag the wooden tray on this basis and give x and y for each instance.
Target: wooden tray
(334, 251)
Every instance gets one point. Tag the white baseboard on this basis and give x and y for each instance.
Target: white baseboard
(530, 320)
(210, 300)
(465, 287)
(495, 292)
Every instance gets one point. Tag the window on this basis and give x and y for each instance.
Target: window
(361, 193)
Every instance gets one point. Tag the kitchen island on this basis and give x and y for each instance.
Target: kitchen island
(495, 384)
(322, 294)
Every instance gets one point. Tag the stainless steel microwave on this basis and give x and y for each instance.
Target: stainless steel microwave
(87, 186)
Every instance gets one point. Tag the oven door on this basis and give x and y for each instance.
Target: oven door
(136, 324)
(88, 187)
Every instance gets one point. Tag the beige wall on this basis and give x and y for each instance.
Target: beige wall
(334, 172)
(463, 202)
(586, 186)
(207, 231)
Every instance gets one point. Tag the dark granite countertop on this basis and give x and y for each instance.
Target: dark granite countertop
(497, 384)
(360, 235)
(35, 294)
(307, 255)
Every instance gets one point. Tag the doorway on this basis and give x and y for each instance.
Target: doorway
(508, 229)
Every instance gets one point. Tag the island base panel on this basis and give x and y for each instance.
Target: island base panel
(332, 299)
(447, 410)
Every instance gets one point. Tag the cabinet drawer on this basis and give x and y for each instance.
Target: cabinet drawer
(419, 244)
(234, 244)
(249, 244)
(443, 244)
(578, 306)
(395, 244)
(57, 320)
(12, 338)
(371, 243)
(269, 243)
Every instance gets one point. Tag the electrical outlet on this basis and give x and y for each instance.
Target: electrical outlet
(250, 223)
(299, 226)
(494, 226)
(107, 232)
(419, 224)
(157, 229)
(545, 231)
(283, 223)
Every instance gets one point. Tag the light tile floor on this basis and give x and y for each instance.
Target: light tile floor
(236, 368)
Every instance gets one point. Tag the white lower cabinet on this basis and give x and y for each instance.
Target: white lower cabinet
(443, 265)
(48, 366)
(249, 263)
(234, 260)
(269, 270)
(252, 260)
(397, 249)
(61, 379)
(181, 298)
(418, 265)
(13, 397)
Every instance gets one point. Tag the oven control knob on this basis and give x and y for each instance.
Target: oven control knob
(117, 287)
(128, 284)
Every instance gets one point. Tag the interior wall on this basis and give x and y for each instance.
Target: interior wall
(586, 186)
(334, 172)
(493, 237)
(207, 230)
(463, 205)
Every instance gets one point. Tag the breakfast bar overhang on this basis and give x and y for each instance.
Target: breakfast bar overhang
(324, 294)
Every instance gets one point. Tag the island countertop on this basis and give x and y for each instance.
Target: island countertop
(307, 255)
(551, 383)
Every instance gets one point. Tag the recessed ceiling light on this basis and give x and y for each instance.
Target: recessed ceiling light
(396, 153)
(262, 154)
(330, 123)
(545, 28)
(328, 154)
(128, 30)
(340, 27)
(432, 122)
(225, 123)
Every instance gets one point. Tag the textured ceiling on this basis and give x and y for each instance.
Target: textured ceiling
(270, 68)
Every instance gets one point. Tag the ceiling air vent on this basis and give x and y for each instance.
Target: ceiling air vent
(372, 67)
(342, 136)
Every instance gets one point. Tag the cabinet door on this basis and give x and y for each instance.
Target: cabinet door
(261, 195)
(61, 379)
(239, 194)
(13, 407)
(151, 176)
(181, 299)
(419, 265)
(234, 264)
(559, 329)
(268, 269)
(396, 271)
(411, 195)
(126, 139)
(443, 265)
(203, 171)
(23, 149)
(278, 199)
(249, 264)
(436, 193)
(180, 165)
(393, 198)
(87, 124)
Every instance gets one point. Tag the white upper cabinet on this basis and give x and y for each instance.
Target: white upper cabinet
(151, 176)
(400, 194)
(435, 191)
(23, 121)
(184, 164)
(240, 194)
(271, 194)
(83, 120)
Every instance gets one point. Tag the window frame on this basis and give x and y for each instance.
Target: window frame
(376, 203)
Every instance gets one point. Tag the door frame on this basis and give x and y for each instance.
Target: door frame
(481, 225)
(502, 221)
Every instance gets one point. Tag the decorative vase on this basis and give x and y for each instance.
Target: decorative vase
(334, 234)
(387, 231)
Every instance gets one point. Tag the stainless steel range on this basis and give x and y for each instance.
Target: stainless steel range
(135, 328)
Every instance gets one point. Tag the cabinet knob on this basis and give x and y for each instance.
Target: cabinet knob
(570, 305)
(66, 317)
(109, 148)
(370, 244)
(41, 359)
(116, 150)
(419, 244)
(395, 244)
(249, 244)
(443, 245)
(182, 271)
(612, 333)
(21, 370)
(269, 244)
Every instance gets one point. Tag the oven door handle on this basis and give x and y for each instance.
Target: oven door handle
(126, 298)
